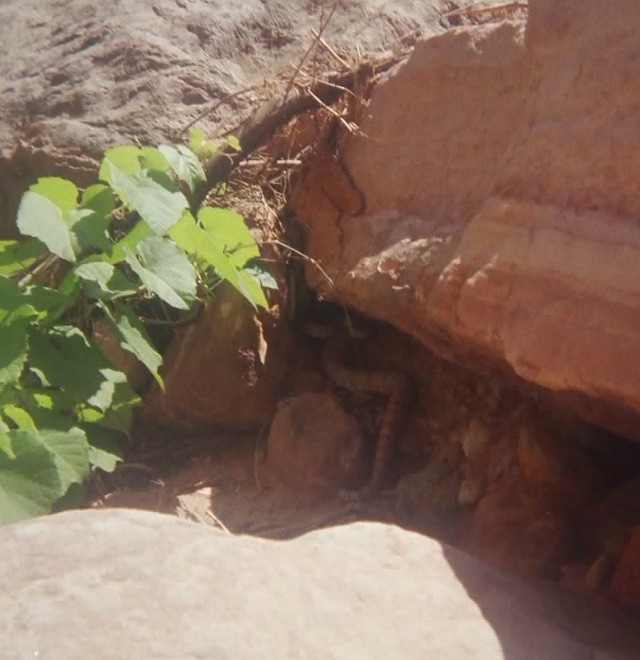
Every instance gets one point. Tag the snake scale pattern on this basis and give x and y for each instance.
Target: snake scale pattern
(396, 386)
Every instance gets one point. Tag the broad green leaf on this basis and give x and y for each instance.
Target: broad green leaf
(134, 339)
(99, 198)
(234, 143)
(103, 459)
(114, 391)
(197, 242)
(50, 399)
(6, 447)
(164, 270)
(251, 289)
(200, 146)
(39, 217)
(186, 233)
(95, 271)
(8, 395)
(67, 442)
(152, 158)
(119, 418)
(196, 138)
(184, 163)
(54, 419)
(24, 311)
(20, 417)
(30, 482)
(13, 350)
(230, 233)
(140, 231)
(18, 255)
(48, 304)
(261, 274)
(35, 300)
(119, 415)
(92, 228)
(61, 192)
(68, 361)
(104, 396)
(71, 451)
(10, 295)
(70, 286)
(89, 229)
(101, 280)
(130, 159)
(104, 449)
(44, 299)
(125, 157)
(152, 194)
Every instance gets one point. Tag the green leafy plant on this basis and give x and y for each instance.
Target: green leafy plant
(130, 240)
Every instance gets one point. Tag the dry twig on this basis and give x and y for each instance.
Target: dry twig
(303, 256)
(330, 50)
(214, 107)
(474, 10)
(217, 521)
(350, 126)
(279, 110)
(318, 35)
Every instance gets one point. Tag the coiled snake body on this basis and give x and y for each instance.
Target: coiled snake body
(396, 386)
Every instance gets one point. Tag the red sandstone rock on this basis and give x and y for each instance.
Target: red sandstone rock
(219, 371)
(512, 529)
(554, 468)
(500, 193)
(315, 445)
(612, 517)
(625, 584)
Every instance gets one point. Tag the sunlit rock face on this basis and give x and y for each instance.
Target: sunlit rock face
(115, 583)
(497, 174)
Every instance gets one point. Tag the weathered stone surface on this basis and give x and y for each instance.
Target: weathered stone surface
(513, 529)
(315, 445)
(499, 187)
(429, 497)
(219, 371)
(625, 584)
(612, 517)
(124, 584)
(79, 76)
(509, 487)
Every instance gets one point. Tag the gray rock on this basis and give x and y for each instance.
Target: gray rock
(127, 584)
(79, 76)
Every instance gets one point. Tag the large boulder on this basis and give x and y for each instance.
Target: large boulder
(125, 584)
(489, 206)
(79, 76)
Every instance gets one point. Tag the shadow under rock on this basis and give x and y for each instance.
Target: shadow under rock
(535, 620)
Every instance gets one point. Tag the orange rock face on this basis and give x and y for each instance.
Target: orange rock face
(625, 584)
(314, 445)
(227, 378)
(500, 173)
(535, 483)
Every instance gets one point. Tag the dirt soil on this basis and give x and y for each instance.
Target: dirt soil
(222, 488)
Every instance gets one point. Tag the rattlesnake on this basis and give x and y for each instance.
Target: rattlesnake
(396, 386)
